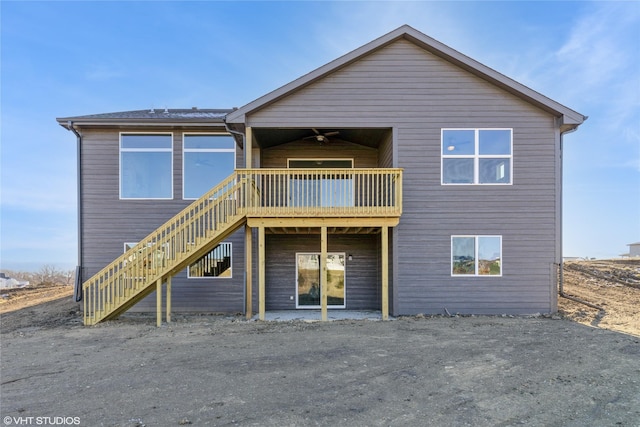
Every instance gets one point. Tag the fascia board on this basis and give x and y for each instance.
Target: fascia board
(64, 122)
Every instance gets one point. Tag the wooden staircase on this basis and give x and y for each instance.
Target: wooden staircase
(179, 242)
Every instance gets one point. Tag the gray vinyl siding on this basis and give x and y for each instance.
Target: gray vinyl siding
(362, 274)
(404, 87)
(386, 152)
(109, 222)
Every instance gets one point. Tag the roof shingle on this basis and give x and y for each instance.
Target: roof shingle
(191, 114)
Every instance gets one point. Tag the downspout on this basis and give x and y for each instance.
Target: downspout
(561, 263)
(244, 278)
(77, 291)
(240, 134)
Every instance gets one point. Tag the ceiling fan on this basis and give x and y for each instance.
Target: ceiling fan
(321, 137)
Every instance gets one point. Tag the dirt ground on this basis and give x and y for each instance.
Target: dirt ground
(18, 298)
(210, 370)
(613, 285)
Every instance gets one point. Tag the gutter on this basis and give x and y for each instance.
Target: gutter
(77, 291)
(235, 133)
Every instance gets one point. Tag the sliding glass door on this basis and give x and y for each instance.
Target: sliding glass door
(308, 292)
(320, 187)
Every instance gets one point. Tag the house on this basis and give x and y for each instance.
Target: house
(403, 177)
(634, 250)
(7, 282)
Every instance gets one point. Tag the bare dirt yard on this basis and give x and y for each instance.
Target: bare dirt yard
(613, 285)
(578, 368)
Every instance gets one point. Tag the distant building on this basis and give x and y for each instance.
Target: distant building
(634, 250)
(8, 282)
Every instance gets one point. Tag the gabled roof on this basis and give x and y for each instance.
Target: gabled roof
(163, 117)
(568, 118)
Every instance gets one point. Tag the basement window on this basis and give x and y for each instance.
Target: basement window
(216, 263)
(476, 255)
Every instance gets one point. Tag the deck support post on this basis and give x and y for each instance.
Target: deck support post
(384, 232)
(248, 272)
(169, 299)
(159, 302)
(261, 273)
(323, 272)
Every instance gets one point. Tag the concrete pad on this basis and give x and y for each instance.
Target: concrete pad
(316, 315)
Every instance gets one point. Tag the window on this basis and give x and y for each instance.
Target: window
(146, 165)
(476, 156)
(476, 255)
(325, 189)
(150, 256)
(216, 263)
(207, 161)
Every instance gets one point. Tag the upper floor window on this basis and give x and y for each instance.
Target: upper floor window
(476, 156)
(207, 160)
(146, 166)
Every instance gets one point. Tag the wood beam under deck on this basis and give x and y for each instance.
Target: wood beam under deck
(330, 230)
(309, 223)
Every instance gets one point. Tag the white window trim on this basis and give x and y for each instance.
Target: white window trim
(204, 150)
(476, 157)
(315, 307)
(142, 150)
(475, 254)
(189, 276)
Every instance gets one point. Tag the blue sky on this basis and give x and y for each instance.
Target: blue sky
(74, 58)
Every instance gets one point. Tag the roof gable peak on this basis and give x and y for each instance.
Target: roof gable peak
(569, 118)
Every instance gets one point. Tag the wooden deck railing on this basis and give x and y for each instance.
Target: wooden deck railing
(325, 192)
(207, 221)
